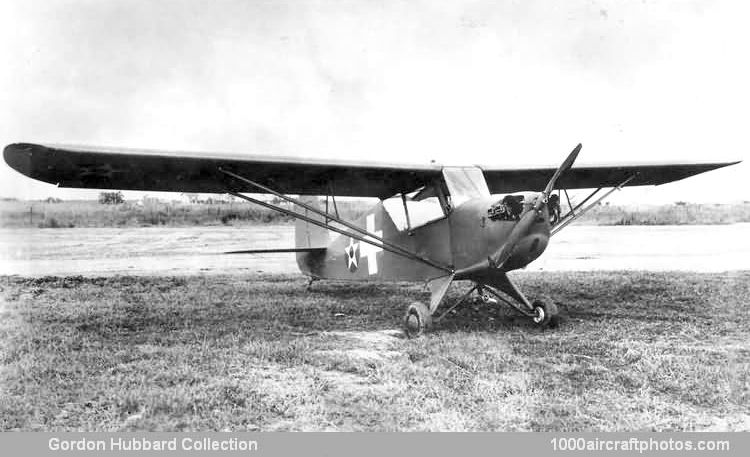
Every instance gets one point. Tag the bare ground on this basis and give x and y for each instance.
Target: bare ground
(169, 251)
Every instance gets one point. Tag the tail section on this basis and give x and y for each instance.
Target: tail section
(307, 235)
(310, 242)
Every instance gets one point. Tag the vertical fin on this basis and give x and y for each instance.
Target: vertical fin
(307, 235)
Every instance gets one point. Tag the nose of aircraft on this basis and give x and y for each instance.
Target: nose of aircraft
(533, 234)
(528, 249)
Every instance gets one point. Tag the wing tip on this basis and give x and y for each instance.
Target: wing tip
(717, 165)
(21, 157)
(18, 157)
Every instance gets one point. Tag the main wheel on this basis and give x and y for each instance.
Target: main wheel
(418, 319)
(545, 314)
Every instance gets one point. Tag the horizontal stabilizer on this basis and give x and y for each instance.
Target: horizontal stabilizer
(269, 251)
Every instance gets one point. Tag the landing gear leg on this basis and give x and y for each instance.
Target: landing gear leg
(459, 302)
(542, 312)
(419, 318)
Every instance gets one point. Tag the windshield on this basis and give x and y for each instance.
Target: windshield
(465, 183)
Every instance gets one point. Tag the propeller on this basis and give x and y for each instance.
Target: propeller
(565, 166)
(527, 219)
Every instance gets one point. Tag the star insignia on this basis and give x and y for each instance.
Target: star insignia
(352, 255)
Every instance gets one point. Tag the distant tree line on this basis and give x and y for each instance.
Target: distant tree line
(111, 198)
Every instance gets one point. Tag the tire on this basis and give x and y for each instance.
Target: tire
(417, 320)
(546, 314)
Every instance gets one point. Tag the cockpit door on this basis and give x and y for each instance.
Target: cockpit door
(469, 197)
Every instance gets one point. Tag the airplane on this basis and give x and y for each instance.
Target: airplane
(436, 224)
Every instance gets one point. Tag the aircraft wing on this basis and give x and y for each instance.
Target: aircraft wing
(507, 180)
(128, 169)
(170, 171)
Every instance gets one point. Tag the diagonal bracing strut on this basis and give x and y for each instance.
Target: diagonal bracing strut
(356, 236)
(572, 215)
(360, 235)
(392, 246)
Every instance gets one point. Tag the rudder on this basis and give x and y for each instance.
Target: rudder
(310, 236)
(307, 235)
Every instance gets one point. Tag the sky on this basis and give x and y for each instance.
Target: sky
(473, 82)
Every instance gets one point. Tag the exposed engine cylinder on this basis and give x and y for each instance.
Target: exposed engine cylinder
(507, 209)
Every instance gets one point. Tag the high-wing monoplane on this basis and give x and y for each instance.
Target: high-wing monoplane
(436, 224)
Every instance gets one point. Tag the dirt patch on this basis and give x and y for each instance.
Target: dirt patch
(191, 250)
(366, 346)
(351, 361)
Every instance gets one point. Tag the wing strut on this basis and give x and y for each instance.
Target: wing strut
(359, 234)
(571, 215)
(356, 236)
(361, 231)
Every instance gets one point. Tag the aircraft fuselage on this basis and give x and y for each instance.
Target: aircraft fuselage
(469, 235)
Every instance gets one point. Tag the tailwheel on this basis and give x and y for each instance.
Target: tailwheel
(545, 314)
(418, 320)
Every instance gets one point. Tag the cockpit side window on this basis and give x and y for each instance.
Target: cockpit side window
(415, 209)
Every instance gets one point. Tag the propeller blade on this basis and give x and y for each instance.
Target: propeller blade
(521, 229)
(565, 166)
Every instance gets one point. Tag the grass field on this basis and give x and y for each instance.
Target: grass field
(635, 351)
